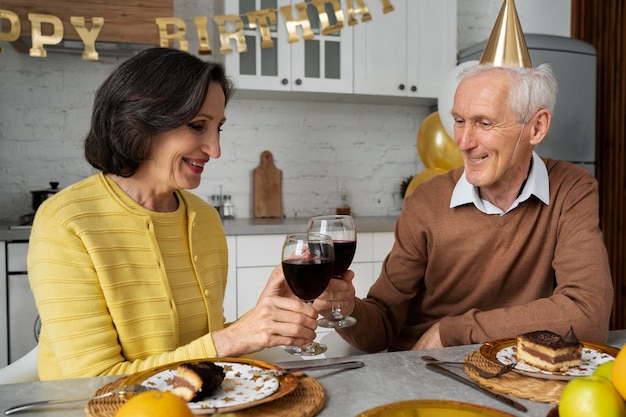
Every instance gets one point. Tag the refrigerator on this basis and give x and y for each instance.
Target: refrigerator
(572, 133)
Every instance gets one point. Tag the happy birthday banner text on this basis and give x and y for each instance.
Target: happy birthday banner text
(173, 29)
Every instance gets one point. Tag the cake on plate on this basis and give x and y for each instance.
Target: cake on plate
(196, 380)
(549, 351)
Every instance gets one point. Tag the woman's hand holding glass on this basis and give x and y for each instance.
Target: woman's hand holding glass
(307, 260)
(279, 318)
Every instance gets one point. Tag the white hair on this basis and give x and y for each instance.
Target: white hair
(531, 89)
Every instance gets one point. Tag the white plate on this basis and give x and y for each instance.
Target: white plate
(594, 354)
(241, 388)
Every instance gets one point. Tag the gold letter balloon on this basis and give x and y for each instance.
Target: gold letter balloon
(435, 147)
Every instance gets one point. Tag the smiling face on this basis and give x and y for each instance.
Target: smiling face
(178, 156)
(487, 133)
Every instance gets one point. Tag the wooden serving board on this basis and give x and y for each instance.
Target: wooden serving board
(268, 188)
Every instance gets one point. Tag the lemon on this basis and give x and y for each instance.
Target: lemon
(619, 373)
(154, 404)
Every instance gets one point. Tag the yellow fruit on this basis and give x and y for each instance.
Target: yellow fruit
(605, 370)
(619, 372)
(591, 396)
(154, 404)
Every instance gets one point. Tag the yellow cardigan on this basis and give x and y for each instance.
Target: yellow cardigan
(101, 289)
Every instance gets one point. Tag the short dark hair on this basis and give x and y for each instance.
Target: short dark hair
(154, 91)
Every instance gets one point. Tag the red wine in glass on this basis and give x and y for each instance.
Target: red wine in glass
(342, 230)
(344, 253)
(308, 260)
(307, 277)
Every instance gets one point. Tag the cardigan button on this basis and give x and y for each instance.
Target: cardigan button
(195, 258)
(206, 292)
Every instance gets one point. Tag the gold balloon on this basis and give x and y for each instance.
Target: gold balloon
(435, 147)
(422, 177)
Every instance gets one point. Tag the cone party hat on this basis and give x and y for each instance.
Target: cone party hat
(506, 46)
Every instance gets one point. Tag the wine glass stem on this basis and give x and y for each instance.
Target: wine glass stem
(336, 312)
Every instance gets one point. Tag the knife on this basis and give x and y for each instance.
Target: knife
(310, 367)
(502, 398)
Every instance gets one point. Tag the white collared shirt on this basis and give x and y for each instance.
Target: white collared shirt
(537, 184)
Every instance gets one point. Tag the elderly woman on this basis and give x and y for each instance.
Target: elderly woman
(128, 269)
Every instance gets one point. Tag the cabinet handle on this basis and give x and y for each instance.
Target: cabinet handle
(298, 81)
(284, 81)
(413, 88)
(401, 87)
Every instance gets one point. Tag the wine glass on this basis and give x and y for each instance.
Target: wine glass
(307, 261)
(343, 232)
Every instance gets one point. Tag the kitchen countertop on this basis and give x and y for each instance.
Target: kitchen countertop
(247, 226)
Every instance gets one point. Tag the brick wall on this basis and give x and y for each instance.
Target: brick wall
(45, 106)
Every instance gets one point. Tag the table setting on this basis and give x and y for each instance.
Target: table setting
(486, 379)
(371, 385)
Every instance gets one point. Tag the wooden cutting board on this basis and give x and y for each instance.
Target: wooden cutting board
(268, 188)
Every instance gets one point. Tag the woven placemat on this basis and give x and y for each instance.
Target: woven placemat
(305, 401)
(521, 386)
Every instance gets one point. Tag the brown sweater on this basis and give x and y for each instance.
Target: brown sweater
(487, 277)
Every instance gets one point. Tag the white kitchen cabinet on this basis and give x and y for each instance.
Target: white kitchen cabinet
(4, 322)
(407, 52)
(372, 248)
(21, 309)
(257, 255)
(322, 64)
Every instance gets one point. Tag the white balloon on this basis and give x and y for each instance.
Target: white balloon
(446, 97)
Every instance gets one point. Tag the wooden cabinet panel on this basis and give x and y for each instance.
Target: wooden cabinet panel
(125, 21)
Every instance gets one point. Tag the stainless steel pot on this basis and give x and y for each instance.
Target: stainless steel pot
(39, 196)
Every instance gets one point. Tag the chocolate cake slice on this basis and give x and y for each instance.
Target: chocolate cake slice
(197, 380)
(549, 351)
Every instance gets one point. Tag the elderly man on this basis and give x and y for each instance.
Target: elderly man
(507, 244)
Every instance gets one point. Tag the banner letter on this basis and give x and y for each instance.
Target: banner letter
(88, 36)
(303, 21)
(327, 28)
(265, 17)
(39, 40)
(203, 37)
(362, 10)
(387, 6)
(178, 35)
(14, 25)
(226, 36)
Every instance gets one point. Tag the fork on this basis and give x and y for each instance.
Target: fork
(124, 390)
(481, 372)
